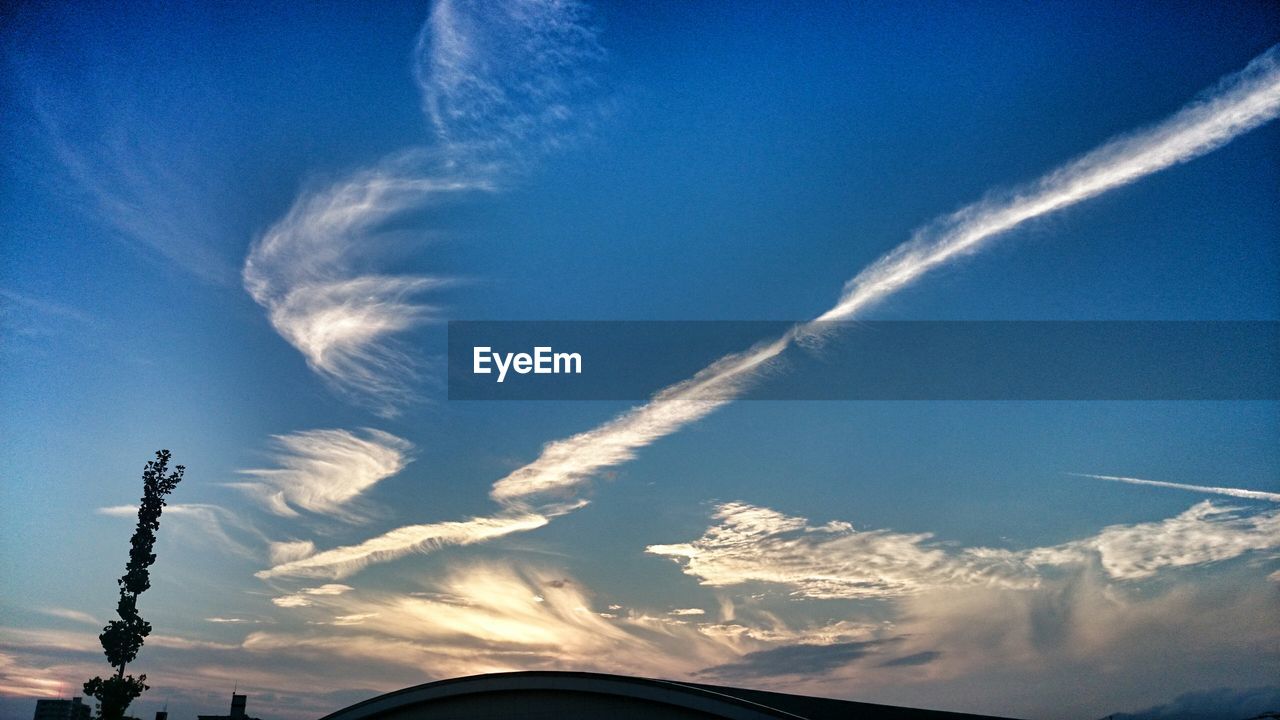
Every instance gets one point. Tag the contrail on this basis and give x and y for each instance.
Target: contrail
(1237, 104)
(343, 561)
(1231, 492)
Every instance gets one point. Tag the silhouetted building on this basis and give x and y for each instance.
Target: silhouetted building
(568, 695)
(162, 715)
(71, 709)
(238, 705)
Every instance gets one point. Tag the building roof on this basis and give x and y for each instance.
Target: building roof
(544, 693)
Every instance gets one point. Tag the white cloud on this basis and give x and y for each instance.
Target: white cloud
(498, 79)
(306, 596)
(73, 615)
(323, 470)
(148, 187)
(503, 80)
(1241, 103)
(210, 522)
(306, 270)
(566, 464)
(1204, 533)
(754, 544)
(488, 617)
(283, 552)
(343, 561)
(1228, 491)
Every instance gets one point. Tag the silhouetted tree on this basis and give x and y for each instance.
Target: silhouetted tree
(121, 639)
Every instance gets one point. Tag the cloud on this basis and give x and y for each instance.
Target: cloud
(1217, 704)
(687, 611)
(148, 182)
(209, 521)
(306, 596)
(498, 80)
(1239, 103)
(25, 319)
(1230, 492)
(487, 617)
(1007, 651)
(920, 658)
(322, 471)
(502, 80)
(801, 659)
(18, 680)
(73, 615)
(40, 311)
(755, 544)
(1204, 533)
(36, 663)
(567, 464)
(343, 561)
(306, 271)
(283, 552)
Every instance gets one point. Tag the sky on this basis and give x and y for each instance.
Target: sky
(239, 233)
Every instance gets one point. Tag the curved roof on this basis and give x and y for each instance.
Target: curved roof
(564, 694)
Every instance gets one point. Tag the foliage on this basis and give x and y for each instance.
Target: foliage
(123, 638)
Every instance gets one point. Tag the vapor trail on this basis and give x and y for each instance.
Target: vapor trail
(343, 561)
(1231, 492)
(1237, 104)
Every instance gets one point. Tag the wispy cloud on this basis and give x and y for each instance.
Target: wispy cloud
(306, 270)
(751, 544)
(209, 521)
(801, 659)
(503, 81)
(755, 544)
(1007, 649)
(1204, 533)
(1237, 104)
(147, 187)
(1217, 704)
(343, 561)
(289, 550)
(305, 596)
(323, 471)
(25, 316)
(499, 81)
(73, 615)
(1230, 492)
(679, 612)
(43, 307)
(486, 617)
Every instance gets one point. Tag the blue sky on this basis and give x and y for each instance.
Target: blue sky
(238, 234)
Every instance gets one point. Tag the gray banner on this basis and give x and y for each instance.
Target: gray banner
(884, 360)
